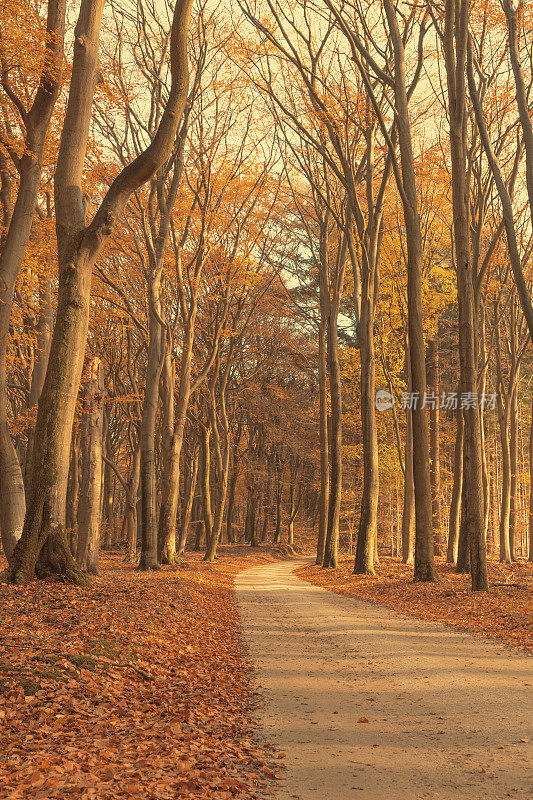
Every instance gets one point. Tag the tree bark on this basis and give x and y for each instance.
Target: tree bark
(154, 366)
(513, 465)
(408, 515)
(434, 444)
(91, 473)
(188, 501)
(457, 489)
(323, 436)
(73, 491)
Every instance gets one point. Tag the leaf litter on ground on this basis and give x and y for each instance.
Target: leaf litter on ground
(136, 687)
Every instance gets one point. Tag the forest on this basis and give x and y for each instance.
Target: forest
(225, 227)
(266, 273)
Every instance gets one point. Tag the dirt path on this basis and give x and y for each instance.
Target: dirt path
(446, 711)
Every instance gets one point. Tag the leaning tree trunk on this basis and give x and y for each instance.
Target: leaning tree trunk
(91, 471)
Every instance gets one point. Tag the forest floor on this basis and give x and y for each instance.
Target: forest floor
(369, 703)
(133, 688)
(506, 612)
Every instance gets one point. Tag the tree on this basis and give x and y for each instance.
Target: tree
(79, 246)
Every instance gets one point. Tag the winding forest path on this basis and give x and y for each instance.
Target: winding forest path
(446, 711)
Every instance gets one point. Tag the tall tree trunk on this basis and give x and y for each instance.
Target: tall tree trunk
(367, 533)
(335, 491)
(166, 538)
(171, 468)
(424, 562)
(455, 46)
(154, 366)
(513, 461)
(91, 473)
(505, 510)
(324, 446)
(457, 489)
(206, 483)
(463, 550)
(434, 444)
(108, 515)
(279, 501)
(408, 515)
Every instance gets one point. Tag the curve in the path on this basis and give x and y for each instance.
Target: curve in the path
(447, 713)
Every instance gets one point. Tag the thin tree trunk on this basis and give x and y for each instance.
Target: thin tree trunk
(279, 500)
(166, 538)
(457, 489)
(505, 550)
(73, 491)
(424, 562)
(513, 460)
(91, 473)
(188, 502)
(324, 446)
(367, 534)
(206, 483)
(132, 490)
(434, 444)
(335, 491)
(149, 559)
(408, 515)
(530, 525)
(463, 550)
